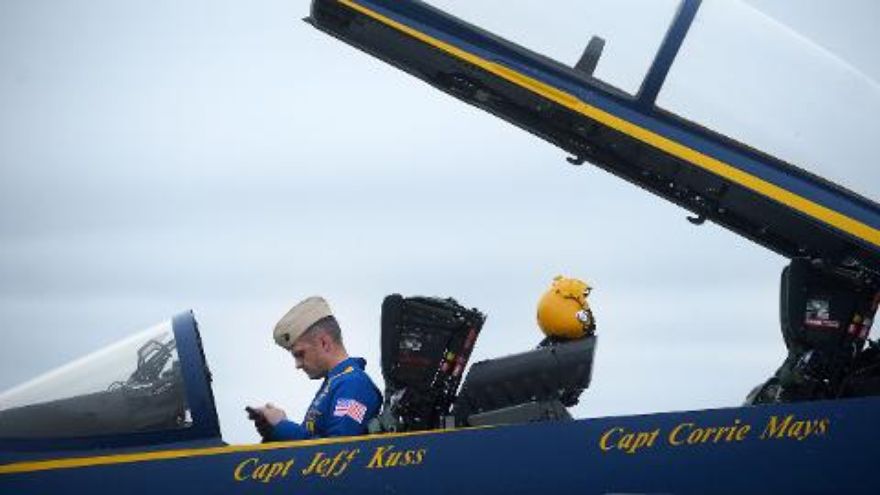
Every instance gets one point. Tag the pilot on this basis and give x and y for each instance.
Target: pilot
(563, 311)
(347, 399)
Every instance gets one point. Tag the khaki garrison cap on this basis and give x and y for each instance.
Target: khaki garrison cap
(300, 317)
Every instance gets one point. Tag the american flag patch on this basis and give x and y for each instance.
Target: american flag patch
(351, 408)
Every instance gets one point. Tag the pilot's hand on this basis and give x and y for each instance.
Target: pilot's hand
(272, 414)
(263, 427)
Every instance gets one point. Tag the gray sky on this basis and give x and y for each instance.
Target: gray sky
(227, 158)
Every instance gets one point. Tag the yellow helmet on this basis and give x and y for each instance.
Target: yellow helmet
(563, 311)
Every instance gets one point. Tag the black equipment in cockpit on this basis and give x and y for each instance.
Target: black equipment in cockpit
(426, 344)
(825, 323)
(537, 385)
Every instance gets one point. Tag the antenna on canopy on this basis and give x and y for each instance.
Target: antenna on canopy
(590, 57)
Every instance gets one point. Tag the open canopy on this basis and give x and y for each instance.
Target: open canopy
(695, 123)
(748, 75)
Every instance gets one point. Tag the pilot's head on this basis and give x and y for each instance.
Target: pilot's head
(312, 335)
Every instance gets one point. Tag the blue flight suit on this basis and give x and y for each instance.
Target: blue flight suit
(345, 403)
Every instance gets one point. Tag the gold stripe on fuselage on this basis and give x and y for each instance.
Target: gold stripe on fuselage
(77, 462)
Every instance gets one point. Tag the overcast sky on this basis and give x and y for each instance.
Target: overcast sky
(225, 157)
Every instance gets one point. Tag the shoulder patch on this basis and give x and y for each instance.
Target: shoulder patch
(350, 408)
